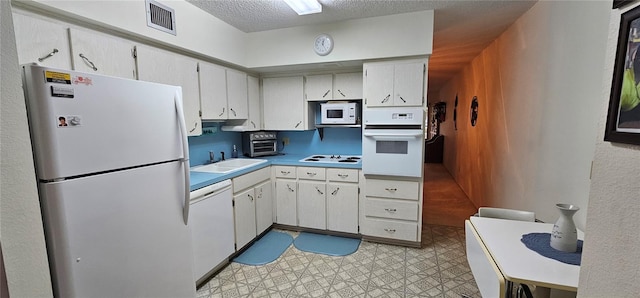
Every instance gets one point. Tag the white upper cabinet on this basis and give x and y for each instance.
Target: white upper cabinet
(344, 86)
(93, 52)
(223, 93)
(155, 65)
(42, 42)
(347, 86)
(255, 112)
(213, 91)
(284, 105)
(394, 83)
(319, 87)
(237, 94)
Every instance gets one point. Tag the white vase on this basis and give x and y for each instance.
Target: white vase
(564, 236)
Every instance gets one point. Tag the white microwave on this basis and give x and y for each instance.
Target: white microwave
(339, 113)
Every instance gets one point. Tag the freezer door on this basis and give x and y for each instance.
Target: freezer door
(87, 123)
(119, 234)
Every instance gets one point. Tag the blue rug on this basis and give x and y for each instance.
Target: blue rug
(266, 250)
(326, 244)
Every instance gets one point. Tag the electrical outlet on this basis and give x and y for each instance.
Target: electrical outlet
(285, 141)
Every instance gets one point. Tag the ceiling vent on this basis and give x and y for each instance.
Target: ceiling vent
(161, 17)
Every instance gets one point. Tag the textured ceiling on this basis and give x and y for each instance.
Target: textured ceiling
(462, 28)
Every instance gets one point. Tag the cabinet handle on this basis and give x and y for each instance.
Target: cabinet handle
(254, 124)
(311, 174)
(341, 93)
(319, 191)
(88, 62)
(194, 127)
(290, 189)
(250, 197)
(222, 112)
(390, 230)
(335, 191)
(392, 210)
(234, 112)
(284, 172)
(386, 98)
(299, 122)
(390, 189)
(48, 55)
(402, 99)
(343, 175)
(326, 93)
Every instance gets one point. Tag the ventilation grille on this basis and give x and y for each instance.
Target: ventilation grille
(161, 17)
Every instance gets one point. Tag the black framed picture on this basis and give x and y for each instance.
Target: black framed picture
(620, 3)
(623, 120)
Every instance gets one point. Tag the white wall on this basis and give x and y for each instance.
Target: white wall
(21, 233)
(400, 35)
(538, 87)
(611, 258)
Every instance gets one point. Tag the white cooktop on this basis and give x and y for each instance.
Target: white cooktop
(322, 158)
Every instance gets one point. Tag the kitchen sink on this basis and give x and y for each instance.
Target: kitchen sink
(229, 165)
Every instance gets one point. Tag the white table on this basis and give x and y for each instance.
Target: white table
(498, 258)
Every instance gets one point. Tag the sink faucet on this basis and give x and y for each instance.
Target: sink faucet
(222, 152)
(212, 158)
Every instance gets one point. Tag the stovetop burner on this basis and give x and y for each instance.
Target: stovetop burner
(333, 158)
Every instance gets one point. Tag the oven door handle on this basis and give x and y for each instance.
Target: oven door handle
(389, 136)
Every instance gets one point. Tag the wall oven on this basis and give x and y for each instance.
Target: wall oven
(393, 142)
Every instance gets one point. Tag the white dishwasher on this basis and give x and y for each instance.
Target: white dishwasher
(211, 222)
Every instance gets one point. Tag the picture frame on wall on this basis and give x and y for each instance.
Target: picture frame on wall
(620, 3)
(623, 119)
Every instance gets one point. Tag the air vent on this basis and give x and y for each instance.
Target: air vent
(161, 17)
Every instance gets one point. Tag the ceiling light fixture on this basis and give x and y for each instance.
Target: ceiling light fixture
(303, 7)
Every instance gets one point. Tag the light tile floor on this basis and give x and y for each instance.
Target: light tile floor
(438, 269)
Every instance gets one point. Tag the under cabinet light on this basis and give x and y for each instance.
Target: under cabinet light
(303, 7)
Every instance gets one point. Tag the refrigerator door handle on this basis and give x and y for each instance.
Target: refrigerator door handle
(185, 159)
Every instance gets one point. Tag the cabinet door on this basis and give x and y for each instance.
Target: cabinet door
(283, 103)
(312, 204)
(342, 207)
(318, 87)
(347, 86)
(94, 52)
(255, 113)
(42, 42)
(245, 217)
(286, 195)
(408, 84)
(237, 94)
(264, 206)
(213, 91)
(163, 67)
(379, 85)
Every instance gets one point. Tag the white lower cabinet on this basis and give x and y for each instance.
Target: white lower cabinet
(252, 208)
(342, 207)
(392, 209)
(286, 202)
(312, 204)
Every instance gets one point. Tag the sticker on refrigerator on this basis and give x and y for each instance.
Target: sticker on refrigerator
(80, 80)
(68, 121)
(57, 77)
(66, 92)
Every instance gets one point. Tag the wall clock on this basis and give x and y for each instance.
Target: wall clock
(323, 44)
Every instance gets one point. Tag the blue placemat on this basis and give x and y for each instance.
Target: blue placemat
(540, 243)
(266, 250)
(326, 244)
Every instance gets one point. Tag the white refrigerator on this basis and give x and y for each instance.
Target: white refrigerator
(112, 164)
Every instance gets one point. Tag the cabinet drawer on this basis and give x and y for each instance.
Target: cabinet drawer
(408, 190)
(285, 171)
(342, 175)
(396, 209)
(250, 179)
(311, 173)
(407, 231)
